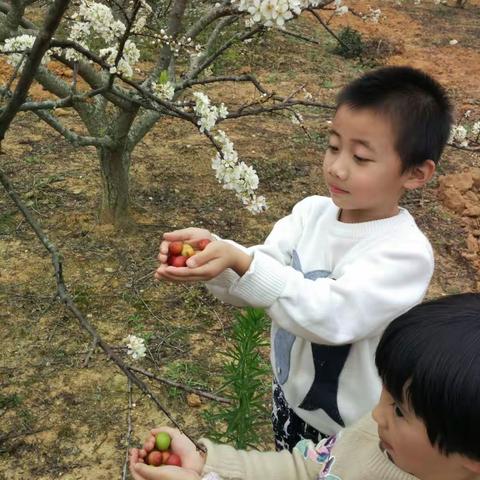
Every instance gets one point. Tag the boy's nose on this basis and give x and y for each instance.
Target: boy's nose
(338, 169)
(380, 411)
(379, 416)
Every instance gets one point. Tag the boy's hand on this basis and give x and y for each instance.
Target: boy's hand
(207, 264)
(192, 460)
(189, 235)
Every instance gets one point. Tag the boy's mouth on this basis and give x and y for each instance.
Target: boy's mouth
(336, 190)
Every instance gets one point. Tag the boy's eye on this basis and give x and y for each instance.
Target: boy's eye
(361, 159)
(333, 148)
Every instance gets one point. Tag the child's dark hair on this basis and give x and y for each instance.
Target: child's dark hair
(429, 358)
(417, 105)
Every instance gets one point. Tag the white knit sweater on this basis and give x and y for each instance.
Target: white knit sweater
(354, 455)
(330, 289)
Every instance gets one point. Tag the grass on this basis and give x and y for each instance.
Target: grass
(8, 222)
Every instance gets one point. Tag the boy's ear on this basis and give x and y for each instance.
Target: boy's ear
(419, 175)
(471, 465)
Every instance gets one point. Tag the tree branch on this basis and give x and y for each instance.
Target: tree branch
(171, 383)
(66, 299)
(196, 70)
(174, 27)
(71, 136)
(211, 16)
(40, 46)
(13, 18)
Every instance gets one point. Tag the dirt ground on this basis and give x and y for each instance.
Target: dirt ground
(63, 406)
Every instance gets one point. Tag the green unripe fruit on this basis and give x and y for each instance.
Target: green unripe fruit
(162, 441)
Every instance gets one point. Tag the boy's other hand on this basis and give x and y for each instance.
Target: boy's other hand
(192, 460)
(190, 235)
(207, 264)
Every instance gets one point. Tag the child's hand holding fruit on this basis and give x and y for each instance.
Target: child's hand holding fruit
(193, 254)
(167, 454)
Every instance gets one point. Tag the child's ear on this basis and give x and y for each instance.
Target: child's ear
(471, 465)
(419, 175)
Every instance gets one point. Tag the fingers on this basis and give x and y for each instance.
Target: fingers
(167, 472)
(134, 460)
(179, 235)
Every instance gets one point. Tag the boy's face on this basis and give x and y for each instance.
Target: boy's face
(362, 169)
(404, 437)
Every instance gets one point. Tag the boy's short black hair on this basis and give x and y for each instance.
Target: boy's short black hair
(429, 358)
(417, 105)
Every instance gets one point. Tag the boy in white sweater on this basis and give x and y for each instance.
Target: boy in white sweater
(425, 426)
(336, 271)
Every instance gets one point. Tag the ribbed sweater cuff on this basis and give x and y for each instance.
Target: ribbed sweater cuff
(263, 283)
(225, 279)
(222, 459)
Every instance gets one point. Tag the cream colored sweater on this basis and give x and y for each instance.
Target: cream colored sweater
(354, 454)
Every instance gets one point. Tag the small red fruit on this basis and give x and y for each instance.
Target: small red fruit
(179, 261)
(165, 456)
(174, 459)
(203, 243)
(155, 458)
(175, 248)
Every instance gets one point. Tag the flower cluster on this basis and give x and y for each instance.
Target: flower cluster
(463, 136)
(273, 12)
(18, 45)
(340, 9)
(136, 346)
(95, 21)
(93, 17)
(165, 91)
(130, 56)
(207, 113)
(177, 44)
(236, 175)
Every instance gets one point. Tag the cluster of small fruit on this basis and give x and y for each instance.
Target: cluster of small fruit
(180, 252)
(161, 455)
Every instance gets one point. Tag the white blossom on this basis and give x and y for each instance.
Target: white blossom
(272, 12)
(20, 44)
(165, 91)
(207, 113)
(136, 346)
(237, 176)
(476, 128)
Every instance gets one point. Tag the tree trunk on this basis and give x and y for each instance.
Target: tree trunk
(115, 167)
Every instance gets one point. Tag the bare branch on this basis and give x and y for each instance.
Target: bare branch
(171, 383)
(123, 40)
(129, 430)
(208, 18)
(174, 27)
(13, 18)
(71, 136)
(248, 111)
(239, 37)
(12, 78)
(328, 29)
(66, 299)
(300, 36)
(40, 46)
(225, 78)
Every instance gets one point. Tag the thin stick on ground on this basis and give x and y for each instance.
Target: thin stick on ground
(129, 429)
(65, 297)
(171, 383)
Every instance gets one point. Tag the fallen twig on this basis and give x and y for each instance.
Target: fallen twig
(129, 429)
(171, 383)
